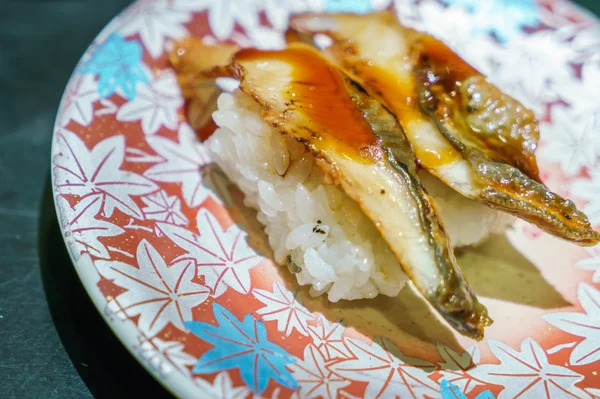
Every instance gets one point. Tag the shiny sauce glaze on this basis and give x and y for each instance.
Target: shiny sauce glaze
(316, 94)
(401, 98)
(488, 120)
(390, 80)
(428, 49)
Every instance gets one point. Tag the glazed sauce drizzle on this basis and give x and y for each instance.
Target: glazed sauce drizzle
(316, 93)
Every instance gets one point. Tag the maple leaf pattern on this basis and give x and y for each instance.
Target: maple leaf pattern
(79, 171)
(586, 325)
(141, 156)
(165, 356)
(243, 345)
(222, 387)
(164, 208)
(456, 31)
(570, 142)
(78, 101)
(527, 374)
(592, 263)
(223, 257)
(454, 366)
(583, 100)
(155, 105)
(589, 190)
(118, 64)
(451, 391)
(527, 68)
(327, 337)
(587, 44)
(314, 378)
(156, 22)
(388, 372)
(265, 38)
(504, 19)
(224, 14)
(278, 11)
(82, 227)
(594, 393)
(283, 306)
(184, 163)
(157, 293)
(353, 6)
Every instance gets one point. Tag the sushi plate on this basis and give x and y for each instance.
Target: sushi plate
(172, 259)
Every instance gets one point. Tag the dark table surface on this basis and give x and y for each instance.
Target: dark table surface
(53, 343)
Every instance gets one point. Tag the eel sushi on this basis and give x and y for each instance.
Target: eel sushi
(464, 130)
(371, 158)
(336, 184)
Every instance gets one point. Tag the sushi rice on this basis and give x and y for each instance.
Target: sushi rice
(314, 228)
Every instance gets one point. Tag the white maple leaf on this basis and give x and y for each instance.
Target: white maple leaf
(571, 142)
(155, 104)
(223, 15)
(594, 393)
(155, 21)
(589, 190)
(592, 263)
(223, 257)
(82, 227)
(283, 306)
(278, 11)
(78, 101)
(266, 38)
(159, 294)
(388, 372)
(165, 356)
(79, 171)
(407, 12)
(315, 380)
(581, 96)
(164, 208)
(140, 156)
(184, 162)
(528, 374)
(381, 4)
(327, 337)
(587, 43)
(454, 26)
(108, 107)
(530, 64)
(586, 325)
(455, 365)
(222, 387)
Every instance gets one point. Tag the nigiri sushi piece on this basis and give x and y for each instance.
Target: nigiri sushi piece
(359, 146)
(464, 130)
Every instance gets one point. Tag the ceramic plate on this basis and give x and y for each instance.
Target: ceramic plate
(170, 255)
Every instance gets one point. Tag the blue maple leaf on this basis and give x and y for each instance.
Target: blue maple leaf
(118, 64)
(504, 18)
(451, 391)
(355, 6)
(243, 345)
